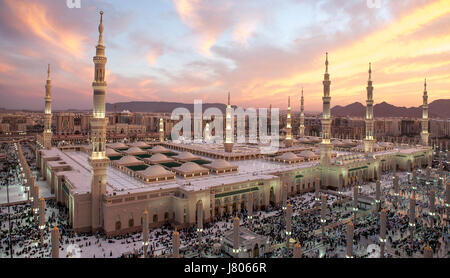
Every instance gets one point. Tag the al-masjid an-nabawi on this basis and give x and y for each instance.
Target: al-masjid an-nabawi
(118, 188)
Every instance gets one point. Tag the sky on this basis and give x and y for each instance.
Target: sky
(259, 50)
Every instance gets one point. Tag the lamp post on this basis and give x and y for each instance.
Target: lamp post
(145, 240)
(236, 232)
(289, 211)
(355, 202)
(41, 220)
(378, 195)
(9, 221)
(55, 242)
(382, 232)
(350, 240)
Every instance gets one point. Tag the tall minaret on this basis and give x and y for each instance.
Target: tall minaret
(326, 146)
(288, 140)
(161, 130)
(228, 145)
(302, 117)
(98, 159)
(47, 134)
(369, 140)
(424, 133)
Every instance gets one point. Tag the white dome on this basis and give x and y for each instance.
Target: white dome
(191, 167)
(220, 164)
(288, 156)
(186, 155)
(158, 157)
(155, 171)
(129, 159)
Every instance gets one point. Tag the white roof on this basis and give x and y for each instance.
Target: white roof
(155, 171)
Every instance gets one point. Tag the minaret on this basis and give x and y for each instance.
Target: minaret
(424, 133)
(302, 117)
(98, 159)
(326, 146)
(47, 134)
(161, 130)
(288, 140)
(369, 140)
(228, 145)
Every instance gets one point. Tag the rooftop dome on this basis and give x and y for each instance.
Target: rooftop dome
(191, 167)
(140, 144)
(134, 150)
(159, 149)
(158, 157)
(349, 142)
(220, 164)
(111, 152)
(186, 155)
(288, 156)
(155, 171)
(118, 145)
(336, 142)
(129, 159)
(307, 154)
(304, 140)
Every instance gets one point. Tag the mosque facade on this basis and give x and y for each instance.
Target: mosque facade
(108, 187)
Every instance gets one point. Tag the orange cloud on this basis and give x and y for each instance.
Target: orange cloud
(32, 16)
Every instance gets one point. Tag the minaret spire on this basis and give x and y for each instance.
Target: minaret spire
(47, 134)
(228, 144)
(302, 117)
(288, 141)
(98, 159)
(326, 146)
(424, 134)
(100, 29)
(369, 139)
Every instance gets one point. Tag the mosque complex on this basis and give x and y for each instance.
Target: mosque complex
(119, 188)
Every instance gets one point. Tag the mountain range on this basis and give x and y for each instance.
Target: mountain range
(437, 109)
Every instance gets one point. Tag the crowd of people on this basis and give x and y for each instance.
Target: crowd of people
(20, 230)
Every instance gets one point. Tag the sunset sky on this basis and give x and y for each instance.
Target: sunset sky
(259, 50)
